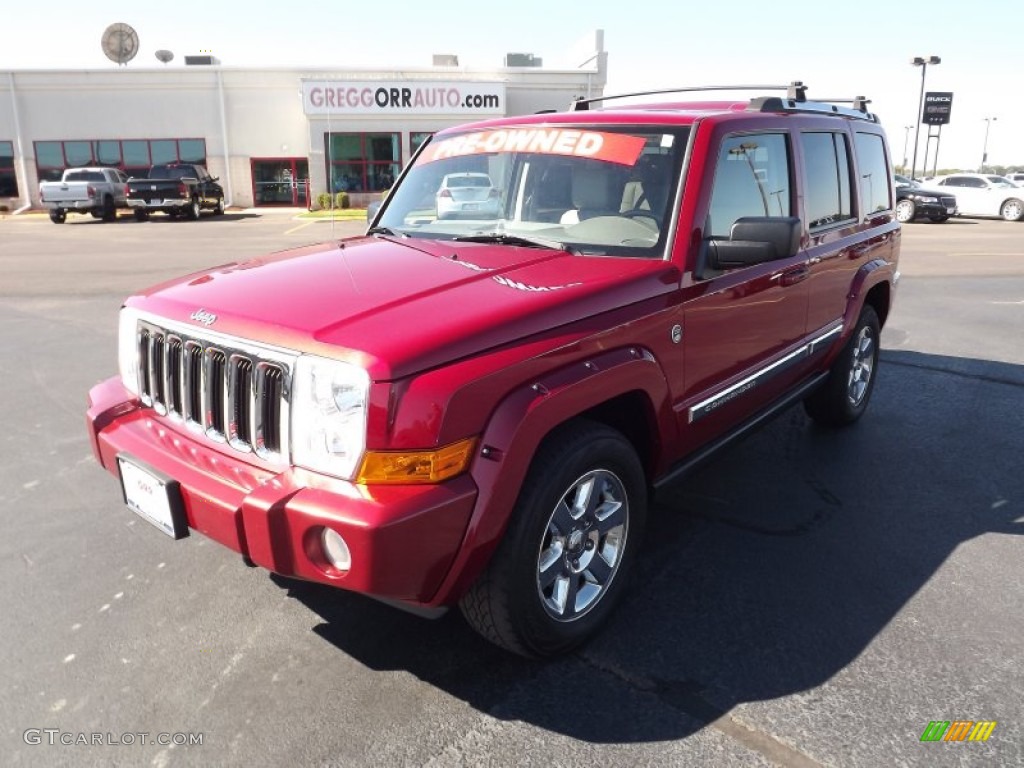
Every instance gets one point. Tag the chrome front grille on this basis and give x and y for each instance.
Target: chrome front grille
(231, 391)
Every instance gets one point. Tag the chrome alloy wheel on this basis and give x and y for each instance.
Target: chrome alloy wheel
(861, 366)
(583, 545)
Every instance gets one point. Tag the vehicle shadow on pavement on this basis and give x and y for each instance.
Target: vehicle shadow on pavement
(764, 574)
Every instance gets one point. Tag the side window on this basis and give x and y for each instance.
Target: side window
(827, 197)
(751, 179)
(875, 178)
(976, 183)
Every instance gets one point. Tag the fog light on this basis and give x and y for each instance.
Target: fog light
(335, 549)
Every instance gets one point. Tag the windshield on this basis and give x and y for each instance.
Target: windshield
(595, 191)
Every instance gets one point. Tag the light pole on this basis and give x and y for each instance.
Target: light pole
(984, 150)
(919, 61)
(906, 138)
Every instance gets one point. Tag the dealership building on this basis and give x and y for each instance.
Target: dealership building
(274, 136)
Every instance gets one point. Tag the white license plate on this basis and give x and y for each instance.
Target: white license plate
(152, 498)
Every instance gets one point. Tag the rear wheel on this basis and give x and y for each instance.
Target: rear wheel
(58, 215)
(844, 396)
(193, 209)
(109, 211)
(1012, 210)
(140, 214)
(905, 211)
(573, 535)
(219, 210)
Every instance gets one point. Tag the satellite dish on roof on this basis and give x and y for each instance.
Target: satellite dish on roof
(120, 43)
(164, 55)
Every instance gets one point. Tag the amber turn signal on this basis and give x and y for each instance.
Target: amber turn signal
(412, 467)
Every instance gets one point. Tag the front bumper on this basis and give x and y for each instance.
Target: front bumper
(935, 209)
(402, 539)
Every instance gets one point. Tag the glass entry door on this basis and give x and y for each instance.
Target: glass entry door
(281, 181)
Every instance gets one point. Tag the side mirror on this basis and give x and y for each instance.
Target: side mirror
(752, 240)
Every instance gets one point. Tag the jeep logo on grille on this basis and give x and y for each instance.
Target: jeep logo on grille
(204, 317)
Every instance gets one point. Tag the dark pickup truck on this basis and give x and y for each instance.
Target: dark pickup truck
(177, 189)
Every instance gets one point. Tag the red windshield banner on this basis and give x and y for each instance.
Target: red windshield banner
(609, 147)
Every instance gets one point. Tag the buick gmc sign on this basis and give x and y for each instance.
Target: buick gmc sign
(937, 106)
(402, 97)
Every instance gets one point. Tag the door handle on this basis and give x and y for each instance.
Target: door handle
(795, 275)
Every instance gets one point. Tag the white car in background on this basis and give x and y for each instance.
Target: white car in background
(469, 196)
(984, 194)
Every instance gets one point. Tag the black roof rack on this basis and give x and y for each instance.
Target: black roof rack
(794, 101)
(795, 91)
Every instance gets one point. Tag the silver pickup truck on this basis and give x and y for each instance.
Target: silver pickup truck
(97, 191)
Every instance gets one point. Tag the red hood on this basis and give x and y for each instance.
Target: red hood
(400, 306)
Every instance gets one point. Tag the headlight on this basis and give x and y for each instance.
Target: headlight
(925, 199)
(329, 415)
(128, 349)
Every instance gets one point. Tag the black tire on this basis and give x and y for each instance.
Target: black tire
(140, 214)
(550, 554)
(219, 210)
(938, 218)
(58, 215)
(1012, 209)
(845, 395)
(192, 212)
(109, 212)
(906, 210)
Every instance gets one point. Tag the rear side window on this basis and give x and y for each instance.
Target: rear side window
(751, 179)
(827, 197)
(875, 178)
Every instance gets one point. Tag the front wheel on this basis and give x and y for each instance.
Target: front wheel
(572, 538)
(58, 215)
(844, 396)
(905, 211)
(1012, 210)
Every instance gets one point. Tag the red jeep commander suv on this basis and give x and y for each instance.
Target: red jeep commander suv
(470, 404)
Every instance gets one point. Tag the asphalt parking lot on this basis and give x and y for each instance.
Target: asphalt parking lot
(812, 598)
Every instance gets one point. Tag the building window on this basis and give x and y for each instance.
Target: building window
(416, 139)
(8, 180)
(362, 162)
(134, 157)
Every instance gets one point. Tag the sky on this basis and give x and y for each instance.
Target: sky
(838, 49)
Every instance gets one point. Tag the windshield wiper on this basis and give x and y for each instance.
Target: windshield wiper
(383, 231)
(506, 239)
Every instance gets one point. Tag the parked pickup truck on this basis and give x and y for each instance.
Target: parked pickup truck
(472, 410)
(177, 189)
(98, 191)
